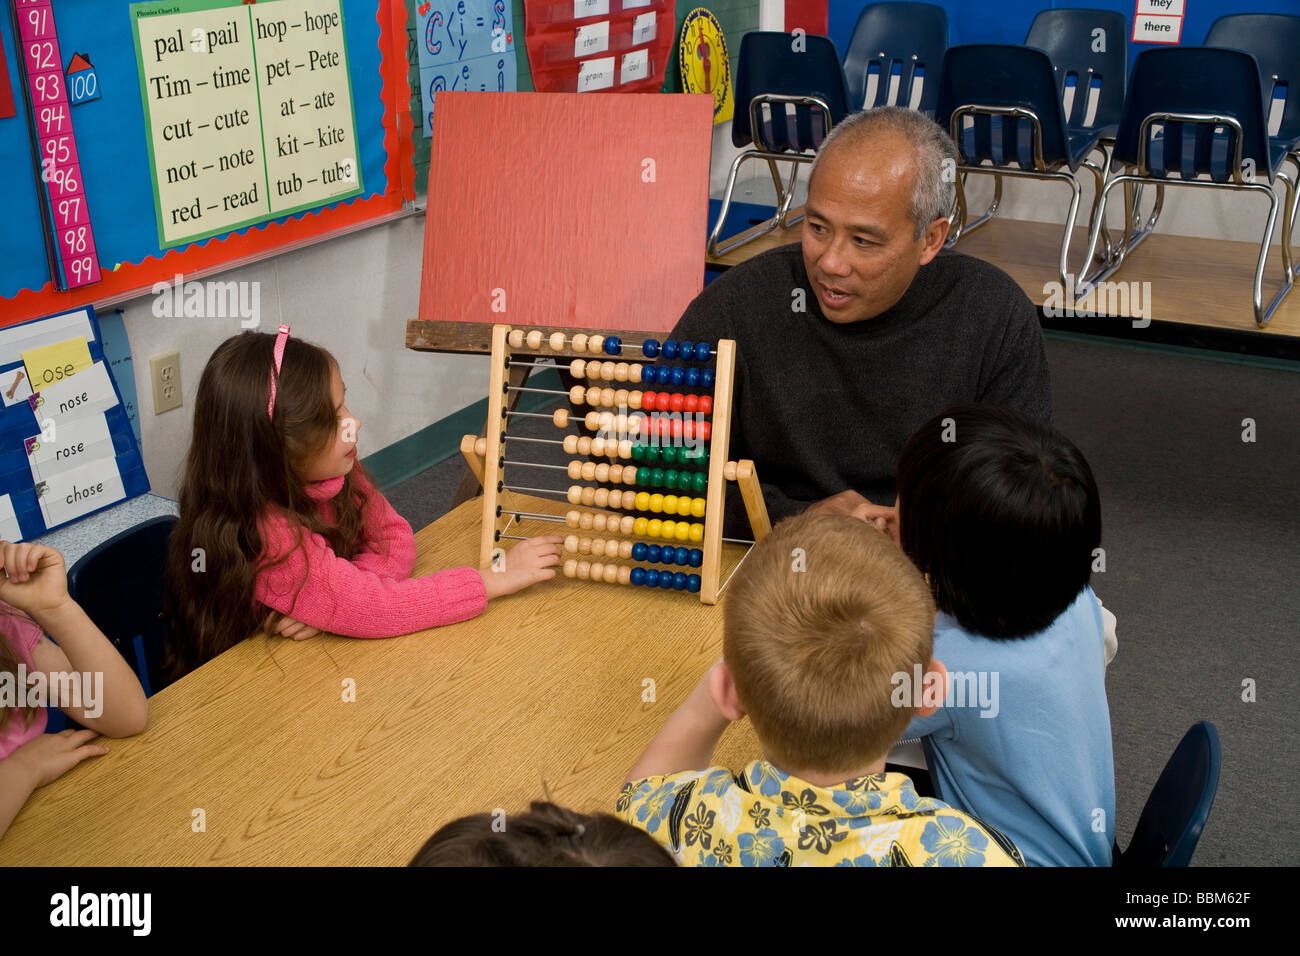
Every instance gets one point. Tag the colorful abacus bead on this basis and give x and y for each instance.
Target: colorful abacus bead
(650, 348)
(613, 345)
(703, 351)
(669, 350)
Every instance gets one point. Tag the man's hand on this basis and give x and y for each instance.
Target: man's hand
(850, 503)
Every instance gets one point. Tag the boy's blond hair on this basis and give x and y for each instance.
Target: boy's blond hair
(821, 616)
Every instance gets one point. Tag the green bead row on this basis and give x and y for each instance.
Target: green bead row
(671, 455)
(697, 481)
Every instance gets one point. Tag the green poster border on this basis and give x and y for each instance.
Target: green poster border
(152, 8)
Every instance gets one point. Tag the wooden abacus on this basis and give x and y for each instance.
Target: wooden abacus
(648, 428)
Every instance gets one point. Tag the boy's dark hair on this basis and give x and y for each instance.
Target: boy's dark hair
(546, 835)
(1002, 514)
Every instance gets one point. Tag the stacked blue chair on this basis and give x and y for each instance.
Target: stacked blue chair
(1175, 813)
(789, 94)
(1089, 53)
(1001, 106)
(895, 56)
(1273, 39)
(1198, 113)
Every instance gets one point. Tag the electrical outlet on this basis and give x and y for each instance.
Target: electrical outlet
(165, 373)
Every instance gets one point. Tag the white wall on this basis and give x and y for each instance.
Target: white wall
(351, 295)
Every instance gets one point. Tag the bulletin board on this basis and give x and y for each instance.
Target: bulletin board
(132, 170)
(67, 449)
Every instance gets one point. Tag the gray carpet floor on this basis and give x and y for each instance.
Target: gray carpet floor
(1202, 541)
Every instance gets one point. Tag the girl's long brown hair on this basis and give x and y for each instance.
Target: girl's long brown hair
(242, 465)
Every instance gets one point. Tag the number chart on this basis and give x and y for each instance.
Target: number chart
(73, 259)
(248, 111)
(464, 45)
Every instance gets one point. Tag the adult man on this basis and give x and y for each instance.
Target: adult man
(847, 343)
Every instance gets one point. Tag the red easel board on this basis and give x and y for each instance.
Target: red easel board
(583, 209)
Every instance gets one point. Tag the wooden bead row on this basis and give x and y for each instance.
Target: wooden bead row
(589, 521)
(606, 371)
(597, 571)
(600, 547)
(535, 338)
(602, 472)
(603, 421)
(605, 396)
(600, 447)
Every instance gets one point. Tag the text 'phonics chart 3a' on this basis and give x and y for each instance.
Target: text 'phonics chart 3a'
(248, 111)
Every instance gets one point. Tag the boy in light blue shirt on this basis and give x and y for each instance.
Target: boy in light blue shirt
(1002, 515)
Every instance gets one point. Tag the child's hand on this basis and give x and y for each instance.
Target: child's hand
(288, 627)
(48, 757)
(34, 579)
(528, 562)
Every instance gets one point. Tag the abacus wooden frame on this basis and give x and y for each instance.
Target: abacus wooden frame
(489, 467)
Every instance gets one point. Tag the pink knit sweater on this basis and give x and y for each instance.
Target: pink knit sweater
(372, 595)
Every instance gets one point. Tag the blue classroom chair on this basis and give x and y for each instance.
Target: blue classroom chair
(895, 56)
(1089, 53)
(119, 585)
(789, 94)
(1273, 39)
(1197, 113)
(1175, 813)
(1000, 105)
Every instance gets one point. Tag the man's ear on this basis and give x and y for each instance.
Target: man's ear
(932, 240)
(934, 679)
(722, 688)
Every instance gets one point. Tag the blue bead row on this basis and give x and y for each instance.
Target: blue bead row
(665, 580)
(676, 375)
(686, 351)
(667, 554)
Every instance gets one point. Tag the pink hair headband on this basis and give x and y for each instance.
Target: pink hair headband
(280, 341)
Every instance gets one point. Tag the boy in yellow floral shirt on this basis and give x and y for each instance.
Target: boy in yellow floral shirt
(825, 622)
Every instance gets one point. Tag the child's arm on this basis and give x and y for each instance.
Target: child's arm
(38, 762)
(35, 582)
(389, 545)
(689, 737)
(316, 587)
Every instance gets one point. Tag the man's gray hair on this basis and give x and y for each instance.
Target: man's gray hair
(934, 189)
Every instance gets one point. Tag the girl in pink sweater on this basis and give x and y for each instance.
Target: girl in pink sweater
(277, 515)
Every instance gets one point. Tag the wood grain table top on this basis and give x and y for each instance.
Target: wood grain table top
(548, 686)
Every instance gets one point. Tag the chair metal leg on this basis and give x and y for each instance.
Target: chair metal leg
(717, 248)
(1262, 316)
(969, 227)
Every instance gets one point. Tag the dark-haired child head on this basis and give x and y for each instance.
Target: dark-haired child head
(547, 835)
(1002, 514)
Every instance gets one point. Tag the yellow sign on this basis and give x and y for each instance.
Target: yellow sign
(51, 364)
(705, 67)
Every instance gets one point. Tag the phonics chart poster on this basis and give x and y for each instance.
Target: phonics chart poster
(248, 111)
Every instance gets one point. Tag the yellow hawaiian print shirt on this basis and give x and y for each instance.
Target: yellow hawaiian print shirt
(765, 817)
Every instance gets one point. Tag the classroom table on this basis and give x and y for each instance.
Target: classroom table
(559, 687)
